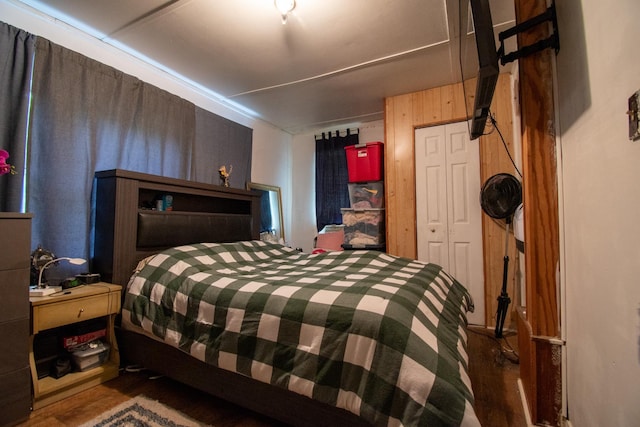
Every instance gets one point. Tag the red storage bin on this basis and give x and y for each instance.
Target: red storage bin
(364, 162)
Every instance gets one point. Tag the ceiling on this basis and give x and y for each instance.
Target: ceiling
(331, 64)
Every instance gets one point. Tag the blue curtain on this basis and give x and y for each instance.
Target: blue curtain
(16, 64)
(332, 178)
(86, 117)
(218, 142)
(266, 221)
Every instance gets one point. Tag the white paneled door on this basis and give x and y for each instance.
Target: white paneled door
(448, 211)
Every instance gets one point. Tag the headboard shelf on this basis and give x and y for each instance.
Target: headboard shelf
(127, 228)
(193, 201)
(167, 183)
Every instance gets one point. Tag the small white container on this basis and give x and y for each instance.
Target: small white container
(90, 355)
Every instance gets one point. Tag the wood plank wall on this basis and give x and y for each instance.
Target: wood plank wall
(405, 113)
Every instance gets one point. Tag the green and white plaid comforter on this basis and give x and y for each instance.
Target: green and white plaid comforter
(381, 336)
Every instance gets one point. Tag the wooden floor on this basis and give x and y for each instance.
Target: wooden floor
(493, 370)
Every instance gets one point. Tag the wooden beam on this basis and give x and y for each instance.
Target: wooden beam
(540, 180)
(540, 359)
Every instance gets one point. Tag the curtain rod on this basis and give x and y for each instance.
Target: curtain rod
(324, 135)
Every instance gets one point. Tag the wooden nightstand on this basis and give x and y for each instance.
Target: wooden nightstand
(75, 305)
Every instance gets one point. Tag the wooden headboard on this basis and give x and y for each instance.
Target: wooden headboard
(128, 227)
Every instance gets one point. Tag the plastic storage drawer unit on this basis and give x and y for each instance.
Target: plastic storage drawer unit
(363, 227)
(366, 195)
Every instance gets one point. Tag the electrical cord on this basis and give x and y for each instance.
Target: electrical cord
(138, 368)
(494, 123)
(63, 292)
(506, 351)
(510, 350)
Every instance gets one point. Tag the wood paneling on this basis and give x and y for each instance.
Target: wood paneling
(405, 113)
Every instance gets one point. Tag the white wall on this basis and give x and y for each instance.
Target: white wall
(271, 157)
(303, 211)
(271, 164)
(598, 69)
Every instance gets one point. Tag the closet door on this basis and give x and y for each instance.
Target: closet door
(448, 212)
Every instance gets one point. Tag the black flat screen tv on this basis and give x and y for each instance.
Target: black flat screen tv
(482, 59)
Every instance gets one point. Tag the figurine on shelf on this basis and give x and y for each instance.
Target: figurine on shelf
(224, 175)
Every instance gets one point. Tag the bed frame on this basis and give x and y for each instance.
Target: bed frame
(127, 230)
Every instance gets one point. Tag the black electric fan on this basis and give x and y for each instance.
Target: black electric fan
(499, 198)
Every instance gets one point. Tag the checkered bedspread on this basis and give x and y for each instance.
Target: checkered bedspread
(381, 336)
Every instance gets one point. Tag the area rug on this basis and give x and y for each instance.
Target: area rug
(142, 412)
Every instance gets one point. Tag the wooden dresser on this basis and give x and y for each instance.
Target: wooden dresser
(15, 381)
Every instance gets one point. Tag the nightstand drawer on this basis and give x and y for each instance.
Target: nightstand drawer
(64, 312)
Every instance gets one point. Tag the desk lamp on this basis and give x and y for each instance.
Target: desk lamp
(42, 289)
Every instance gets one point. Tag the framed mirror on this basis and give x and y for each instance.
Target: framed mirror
(271, 222)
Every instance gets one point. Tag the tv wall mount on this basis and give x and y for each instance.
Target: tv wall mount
(553, 41)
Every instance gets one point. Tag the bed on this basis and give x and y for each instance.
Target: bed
(336, 338)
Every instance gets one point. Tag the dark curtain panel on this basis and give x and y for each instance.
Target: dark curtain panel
(218, 142)
(332, 191)
(16, 63)
(266, 221)
(85, 117)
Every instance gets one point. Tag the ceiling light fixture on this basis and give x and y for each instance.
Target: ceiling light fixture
(284, 7)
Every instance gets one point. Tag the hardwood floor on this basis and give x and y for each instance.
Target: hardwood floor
(494, 372)
(492, 369)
